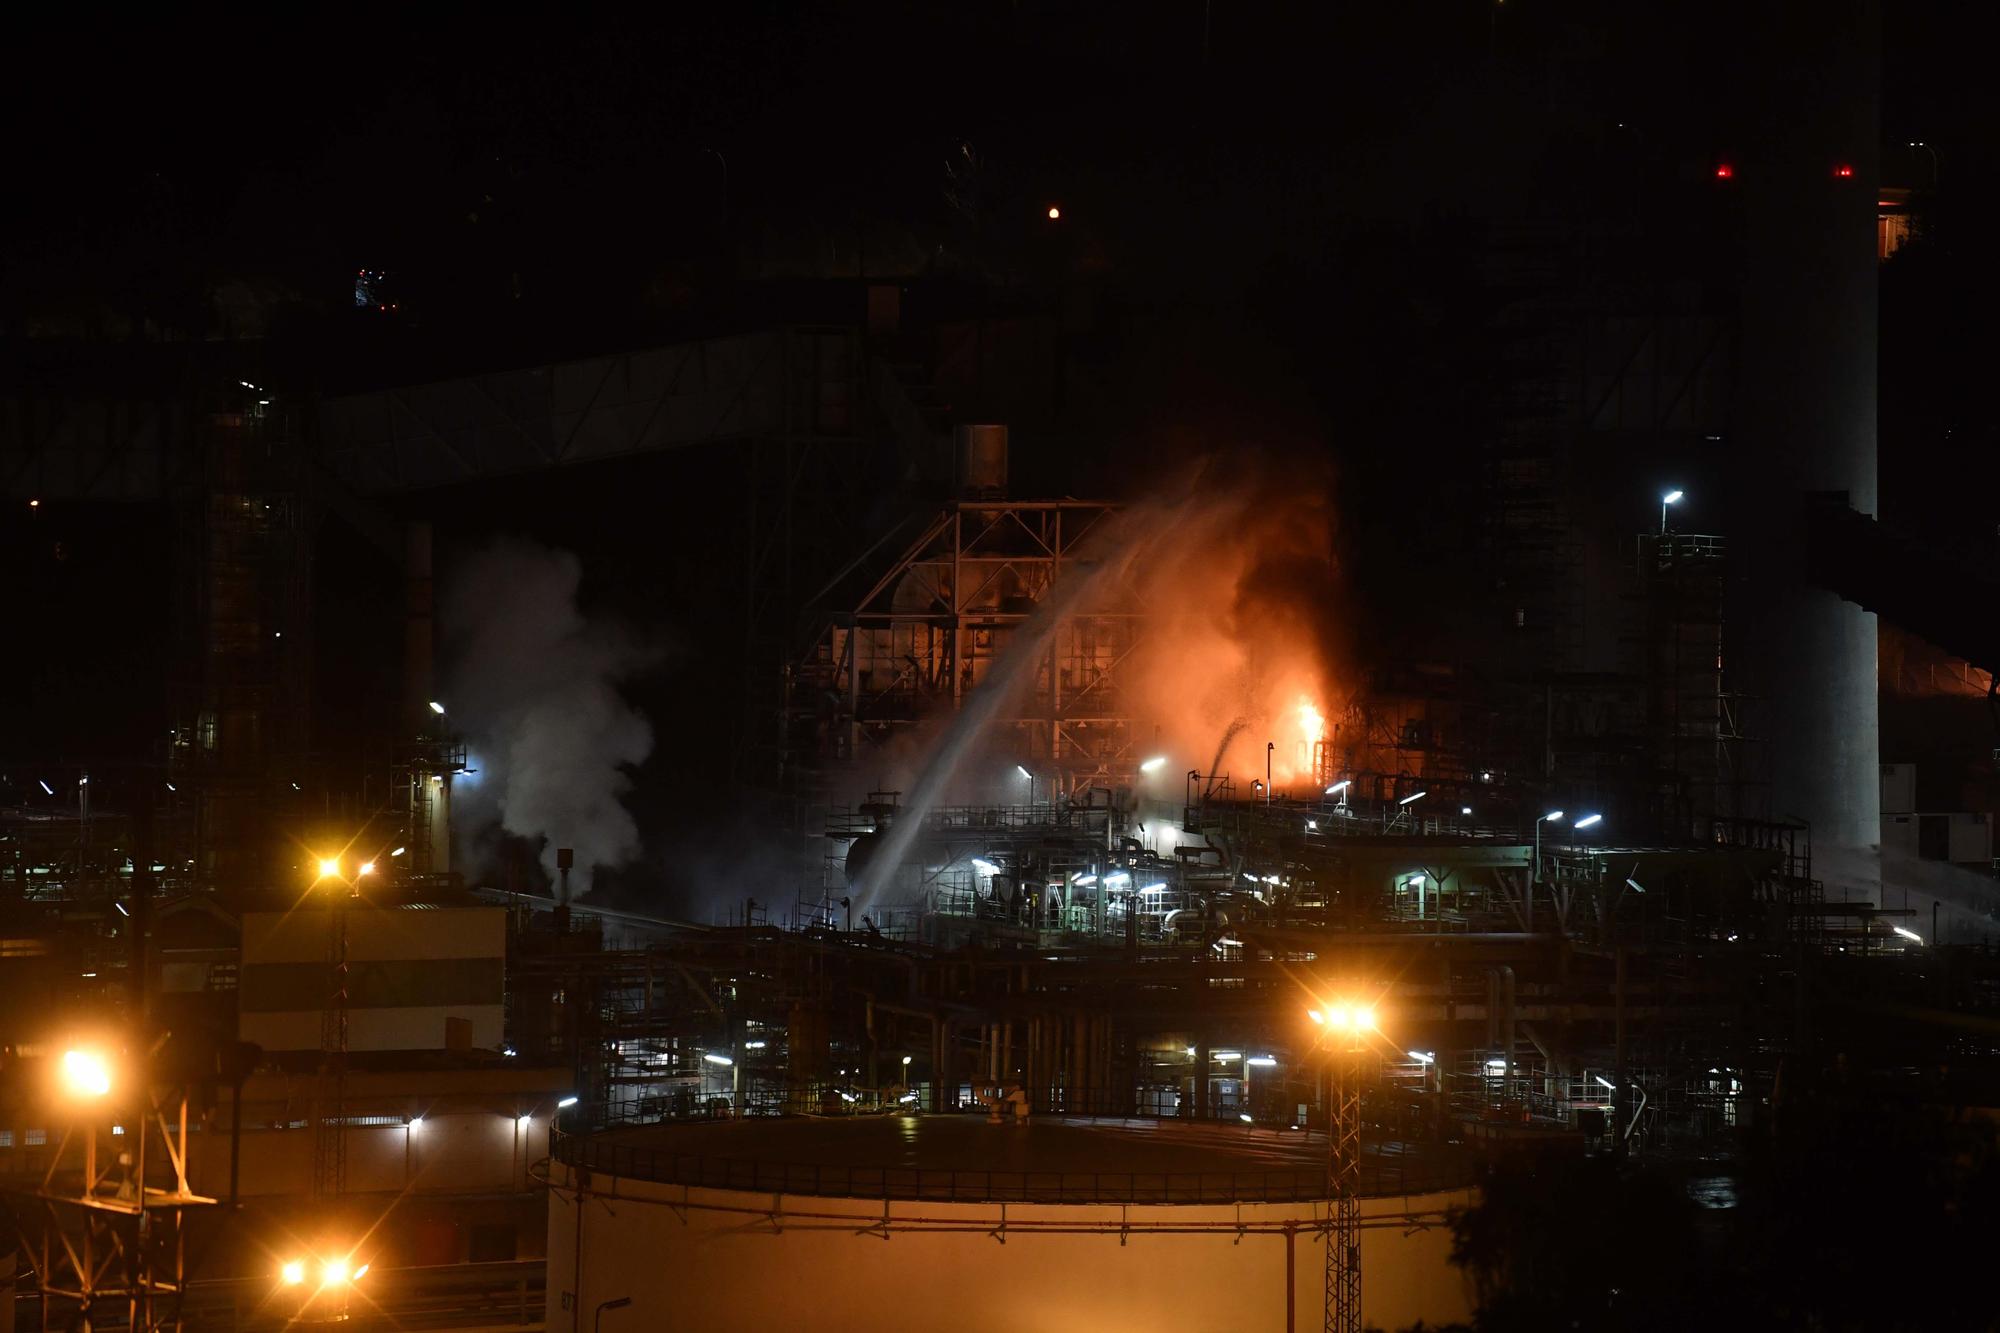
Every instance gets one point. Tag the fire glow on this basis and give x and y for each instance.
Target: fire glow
(1241, 592)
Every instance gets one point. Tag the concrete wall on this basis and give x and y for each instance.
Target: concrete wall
(1805, 410)
(452, 1153)
(410, 971)
(722, 1260)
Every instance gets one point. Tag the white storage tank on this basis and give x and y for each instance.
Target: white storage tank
(954, 1222)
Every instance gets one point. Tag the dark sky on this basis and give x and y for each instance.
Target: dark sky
(545, 185)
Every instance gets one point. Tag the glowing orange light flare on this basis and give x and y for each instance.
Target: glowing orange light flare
(1345, 1018)
(85, 1074)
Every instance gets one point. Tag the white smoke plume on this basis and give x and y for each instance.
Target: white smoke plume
(534, 688)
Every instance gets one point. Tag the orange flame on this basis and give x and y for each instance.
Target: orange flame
(1241, 594)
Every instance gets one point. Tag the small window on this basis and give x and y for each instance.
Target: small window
(6, 1138)
(36, 1138)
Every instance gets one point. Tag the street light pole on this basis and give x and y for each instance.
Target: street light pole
(1347, 1028)
(1343, 1180)
(1535, 870)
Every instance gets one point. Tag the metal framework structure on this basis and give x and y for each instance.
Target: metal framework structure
(330, 1091)
(930, 628)
(110, 1241)
(1343, 1179)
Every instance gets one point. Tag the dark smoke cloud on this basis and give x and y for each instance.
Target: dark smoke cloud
(534, 688)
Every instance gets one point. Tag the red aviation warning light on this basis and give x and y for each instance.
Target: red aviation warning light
(1843, 171)
(1725, 171)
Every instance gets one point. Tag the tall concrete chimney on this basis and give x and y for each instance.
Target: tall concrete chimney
(1805, 419)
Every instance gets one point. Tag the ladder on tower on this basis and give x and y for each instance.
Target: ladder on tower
(329, 1093)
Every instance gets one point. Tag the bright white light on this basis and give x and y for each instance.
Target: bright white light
(1311, 825)
(171, 787)
(1495, 1066)
(565, 1103)
(849, 1097)
(367, 867)
(715, 1059)
(1085, 880)
(1270, 879)
(83, 782)
(1227, 942)
(1224, 1057)
(1671, 498)
(328, 869)
(1262, 1061)
(984, 866)
(437, 708)
(1316, 1016)
(1910, 935)
(1465, 809)
(1190, 1050)
(1153, 765)
(332, 1272)
(1605, 1081)
(1340, 786)
(907, 1097)
(85, 1074)
(361, 1272)
(1024, 772)
(1413, 796)
(399, 851)
(416, 1122)
(1588, 820)
(1118, 877)
(1552, 817)
(293, 1273)
(1153, 888)
(46, 788)
(753, 1045)
(1244, 1118)
(121, 909)
(1422, 1057)
(524, 1118)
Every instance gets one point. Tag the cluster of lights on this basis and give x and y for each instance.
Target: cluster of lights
(1344, 1017)
(333, 1272)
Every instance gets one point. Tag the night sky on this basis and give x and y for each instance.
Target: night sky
(1264, 210)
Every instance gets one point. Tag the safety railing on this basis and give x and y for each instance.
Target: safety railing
(1381, 1175)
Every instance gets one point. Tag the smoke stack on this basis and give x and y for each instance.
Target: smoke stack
(981, 457)
(1806, 402)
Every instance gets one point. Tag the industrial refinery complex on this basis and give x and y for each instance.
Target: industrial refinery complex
(818, 812)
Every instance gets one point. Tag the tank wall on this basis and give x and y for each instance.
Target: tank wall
(725, 1263)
